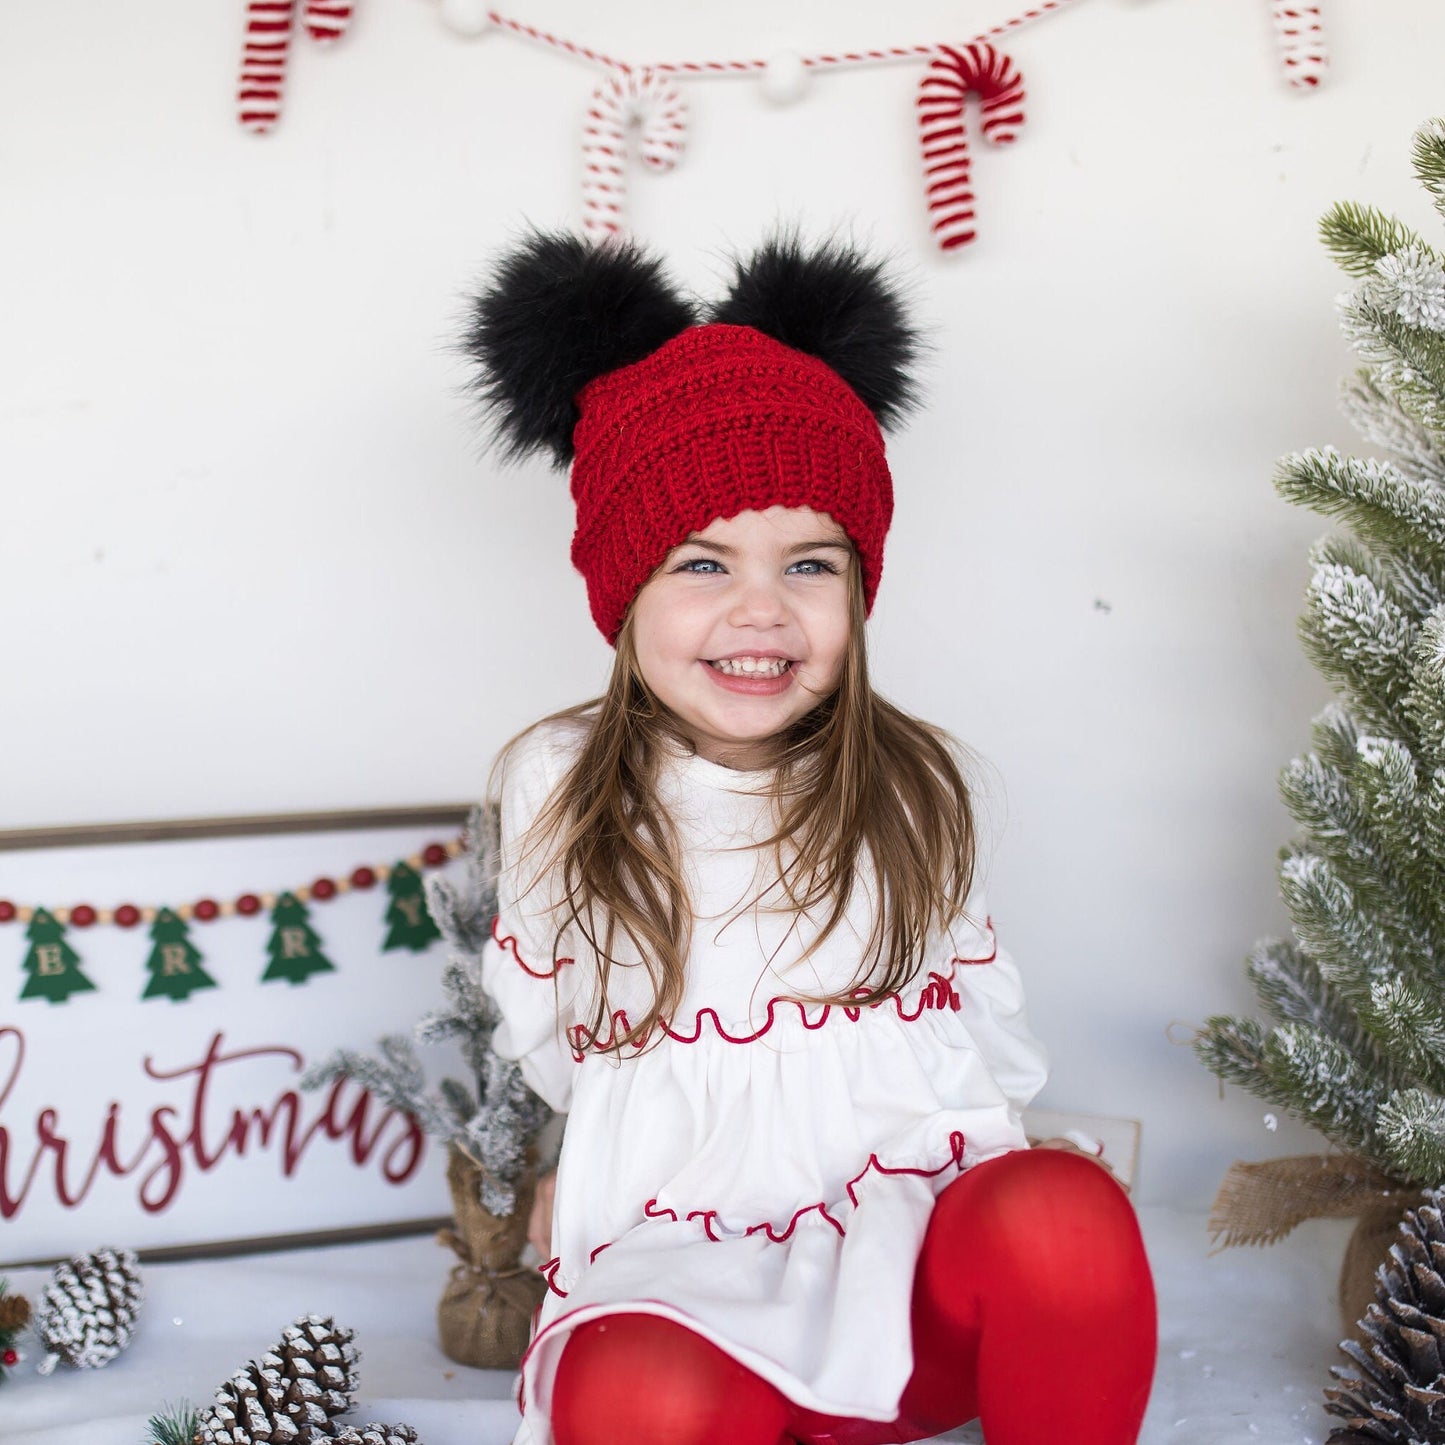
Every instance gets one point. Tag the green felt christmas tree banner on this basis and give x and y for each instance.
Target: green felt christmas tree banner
(57, 933)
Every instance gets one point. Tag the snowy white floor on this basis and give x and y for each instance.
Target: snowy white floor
(1246, 1341)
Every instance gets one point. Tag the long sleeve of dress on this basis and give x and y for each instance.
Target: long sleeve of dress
(535, 996)
(992, 1007)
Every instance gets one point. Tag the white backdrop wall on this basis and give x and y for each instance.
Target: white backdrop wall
(250, 559)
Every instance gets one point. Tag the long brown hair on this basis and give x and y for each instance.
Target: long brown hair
(854, 773)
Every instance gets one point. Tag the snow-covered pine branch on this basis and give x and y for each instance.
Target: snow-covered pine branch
(1358, 236)
(1375, 499)
(1383, 422)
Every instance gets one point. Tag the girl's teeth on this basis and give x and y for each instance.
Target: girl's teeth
(769, 667)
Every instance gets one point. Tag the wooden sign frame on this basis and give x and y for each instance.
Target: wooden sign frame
(161, 1124)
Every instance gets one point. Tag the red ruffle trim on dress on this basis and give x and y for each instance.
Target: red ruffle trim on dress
(653, 1210)
(938, 993)
(510, 944)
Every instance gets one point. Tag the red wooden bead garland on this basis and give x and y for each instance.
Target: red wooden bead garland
(207, 910)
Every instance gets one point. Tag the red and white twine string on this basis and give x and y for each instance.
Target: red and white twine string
(746, 67)
(1301, 42)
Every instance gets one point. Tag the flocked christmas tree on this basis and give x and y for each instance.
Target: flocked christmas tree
(53, 965)
(174, 964)
(491, 1117)
(1354, 1041)
(489, 1120)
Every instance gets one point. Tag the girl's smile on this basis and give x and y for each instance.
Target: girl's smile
(742, 629)
(762, 674)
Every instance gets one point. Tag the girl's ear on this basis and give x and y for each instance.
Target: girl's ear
(558, 312)
(834, 303)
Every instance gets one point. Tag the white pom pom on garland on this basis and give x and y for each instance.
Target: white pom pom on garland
(467, 18)
(785, 78)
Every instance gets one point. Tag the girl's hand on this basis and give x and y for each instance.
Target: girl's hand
(539, 1223)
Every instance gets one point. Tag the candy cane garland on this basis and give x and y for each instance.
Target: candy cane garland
(1301, 42)
(263, 62)
(326, 20)
(269, 24)
(976, 69)
(626, 97)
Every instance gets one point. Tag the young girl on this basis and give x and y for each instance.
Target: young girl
(737, 938)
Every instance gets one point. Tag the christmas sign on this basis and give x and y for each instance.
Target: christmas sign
(152, 1050)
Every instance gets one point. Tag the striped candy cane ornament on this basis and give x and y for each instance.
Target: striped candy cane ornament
(269, 24)
(1301, 42)
(326, 20)
(976, 69)
(263, 62)
(625, 98)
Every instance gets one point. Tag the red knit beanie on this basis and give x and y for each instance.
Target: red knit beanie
(720, 420)
(668, 425)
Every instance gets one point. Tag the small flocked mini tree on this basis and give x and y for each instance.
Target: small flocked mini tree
(1354, 1042)
(489, 1120)
(491, 1117)
(53, 965)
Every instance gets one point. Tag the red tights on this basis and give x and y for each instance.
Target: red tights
(1033, 1309)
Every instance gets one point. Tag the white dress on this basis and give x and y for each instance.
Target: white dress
(765, 1174)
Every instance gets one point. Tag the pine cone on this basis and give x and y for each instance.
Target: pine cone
(377, 1435)
(289, 1396)
(315, 1349)
(14, 1312)
(88, 1309)
(1401, 1398)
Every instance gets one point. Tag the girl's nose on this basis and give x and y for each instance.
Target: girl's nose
(758, 603)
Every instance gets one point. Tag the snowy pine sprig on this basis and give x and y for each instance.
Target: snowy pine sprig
(1359, 236)
(491, 1116)
(1428, 156)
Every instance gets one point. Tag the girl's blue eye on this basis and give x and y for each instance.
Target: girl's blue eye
(694, 562)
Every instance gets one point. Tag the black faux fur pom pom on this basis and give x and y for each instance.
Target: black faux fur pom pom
(558, 312)
(834, 303)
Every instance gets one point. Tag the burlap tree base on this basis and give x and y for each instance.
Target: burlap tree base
(1262, 1202)
(1368, 1249)
(485, 1314)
